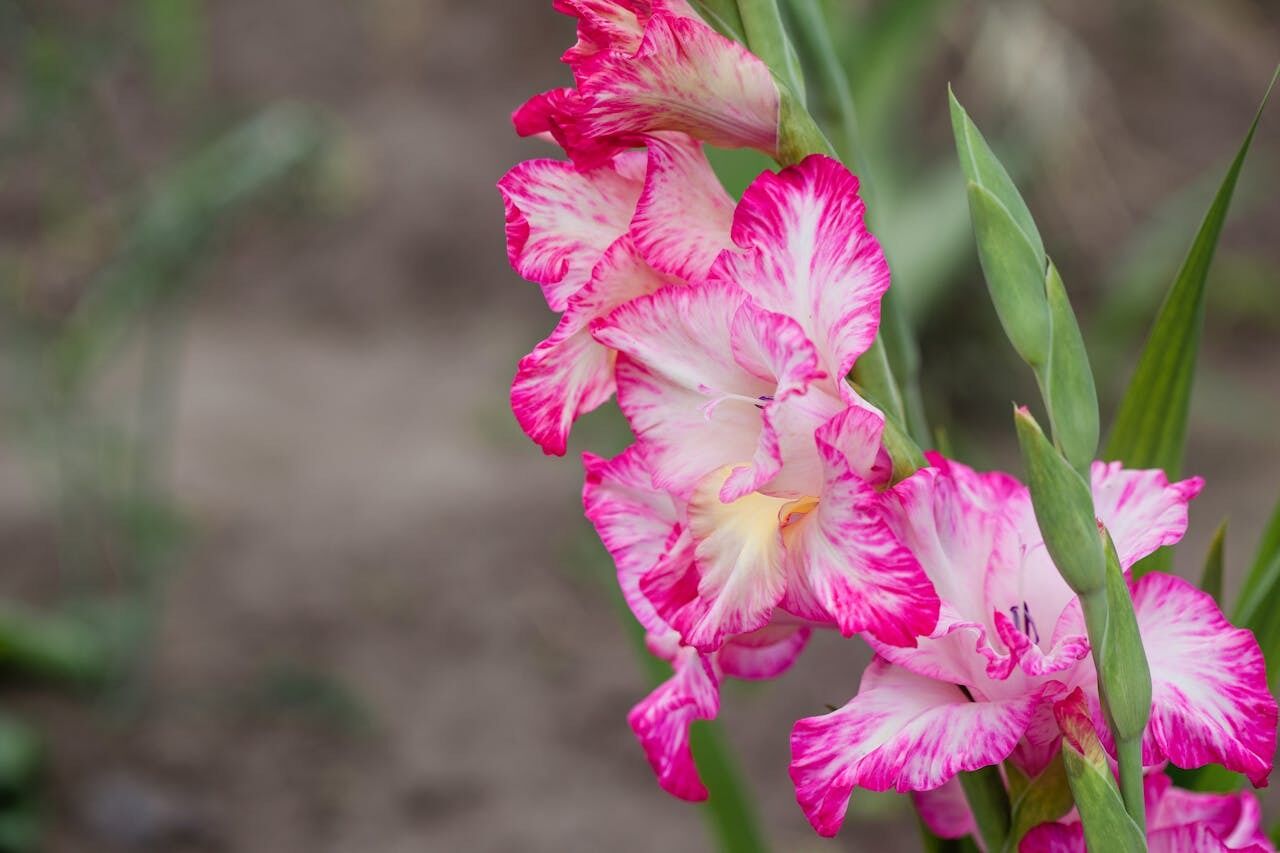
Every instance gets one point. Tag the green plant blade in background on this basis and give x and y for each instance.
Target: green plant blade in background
(1150, 428)
(1259, 582)
(1211, 576)
(729, 810)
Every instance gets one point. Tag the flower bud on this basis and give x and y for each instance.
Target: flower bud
(1067, 382)
(1124, 676)
(1107, 825)
(1064, 509)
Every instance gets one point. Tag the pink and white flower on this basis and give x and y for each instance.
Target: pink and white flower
(736, 392)
(1010, 642)
(1178, 821)
(640, 527)
(643, 67)
(595, 238)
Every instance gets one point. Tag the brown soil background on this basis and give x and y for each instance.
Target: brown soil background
(367, 512)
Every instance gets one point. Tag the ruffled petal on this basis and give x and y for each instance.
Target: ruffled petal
(638, 524)
(901, 732)
(737, 578)
(847, 565)
(1142, 510)
(1210, 701)
(702, 375)
(766, 653)
(951, 518)
(683, 216)
(808, 254)
(686, 77)
(561, 219)
(661, 723)
(606, 26)
(570, 373)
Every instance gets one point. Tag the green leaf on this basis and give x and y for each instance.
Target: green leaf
(982, 167)
(1014, 273)
(1211, 577)
(1070, 395)
(173, 35)
(767, 39)
(1040, 800)
(1259, 584)
(52, 646)
(1151, 425)
(722, 15)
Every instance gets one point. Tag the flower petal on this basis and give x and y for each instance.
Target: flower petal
(1142, 510)
(570, 373)
(637, 523)
(945, 811)
(561, 219)
(661, 723)
(557, 116)
(900, 732)
(951, 518)
(683, 216)
(687, 77)
(773, 348)
(1210, 702)
(808, 254)
(847, 565)
(692, 382)
(737, 577)
(1235, 819)
(765, 653)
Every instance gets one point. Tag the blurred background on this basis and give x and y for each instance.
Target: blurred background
(281, 572)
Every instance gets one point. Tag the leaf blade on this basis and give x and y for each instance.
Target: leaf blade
(1151, 425)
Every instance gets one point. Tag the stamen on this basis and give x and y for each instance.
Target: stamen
(768, 398)
(1028, 625)
(1023, 622)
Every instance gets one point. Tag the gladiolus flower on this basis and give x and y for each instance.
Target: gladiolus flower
(641, 526)
(1011, 642)
(643, 67)
(736, 392)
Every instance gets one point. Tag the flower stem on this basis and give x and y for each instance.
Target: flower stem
(989, 802)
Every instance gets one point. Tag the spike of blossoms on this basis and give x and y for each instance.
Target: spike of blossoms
(652, 65)
(736, 392)
(641, 526)
(1010, 643)
(594, 238)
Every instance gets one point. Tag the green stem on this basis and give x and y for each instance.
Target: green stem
(1129, 757)
(898, 342)
(989, 802)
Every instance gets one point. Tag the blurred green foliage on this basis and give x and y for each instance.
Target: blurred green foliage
(128, 234)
